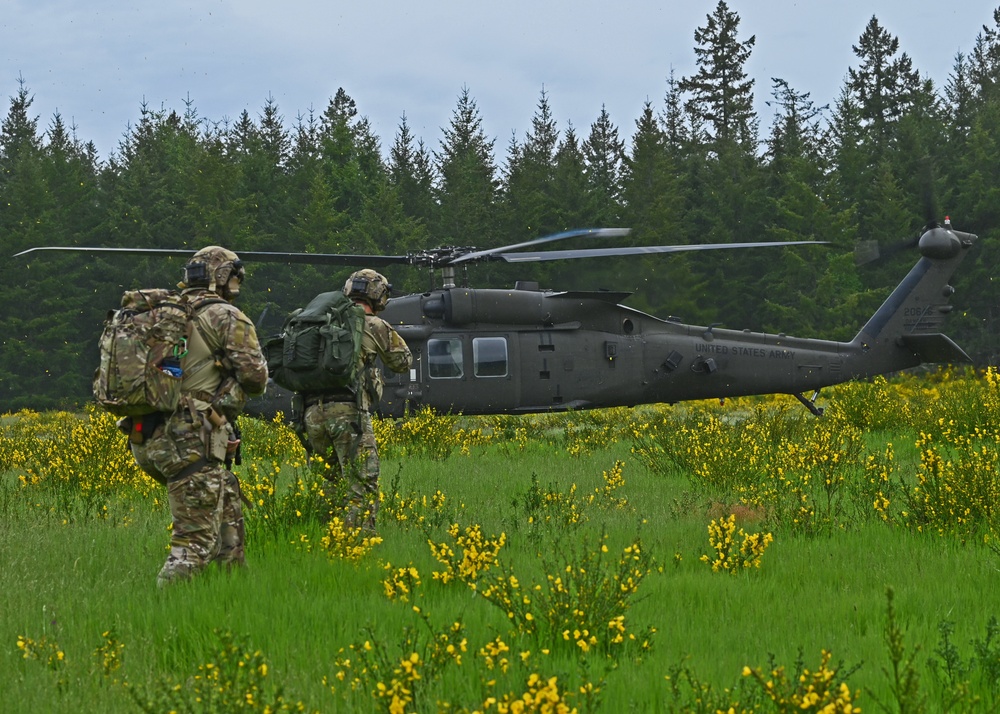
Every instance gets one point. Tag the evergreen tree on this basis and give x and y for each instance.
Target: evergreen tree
(722, 94)
(653, 207)
(260, 154)
(305, 152)
(893, 222)
(960, 98)
(467, 188)
(685, 142)
(845, 153)
(154, 202)
(529, 202)
(922, 153)
(350, 205)
(303, 169)
(976, 209)
(735, 208)
(351, 169)
(812, 290)
(574, 205)
(268, 203)
(679, 127)
(318, 224)
(893, 151)
(722, 170)
(212, 189)
(984, 69)
(796, 131)
(52, 196)
(412, 174)
(885, 85)
(341, 190)
(649, 185)
(574, 202)
(797, 171)
(391, 230)
(324, 190)
(974, 169)
(20, 179)
(604, 154)
(172, 185)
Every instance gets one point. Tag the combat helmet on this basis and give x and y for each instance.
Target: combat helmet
(370, 287)
(213, 267)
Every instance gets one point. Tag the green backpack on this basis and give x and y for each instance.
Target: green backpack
(319, 348)
(141, 347)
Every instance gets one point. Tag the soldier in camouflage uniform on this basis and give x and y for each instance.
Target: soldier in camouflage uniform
(189, 449)
(339, 424)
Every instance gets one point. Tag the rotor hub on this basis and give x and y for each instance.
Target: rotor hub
(939, 243)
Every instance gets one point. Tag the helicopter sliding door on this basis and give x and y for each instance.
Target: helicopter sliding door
(470, 374)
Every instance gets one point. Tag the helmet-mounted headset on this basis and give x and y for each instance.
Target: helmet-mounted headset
(369, 286)
(214, 267)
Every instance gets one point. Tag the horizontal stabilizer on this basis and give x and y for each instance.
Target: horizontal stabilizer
(935, 348)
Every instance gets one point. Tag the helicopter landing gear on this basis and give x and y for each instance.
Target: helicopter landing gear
(810, 404)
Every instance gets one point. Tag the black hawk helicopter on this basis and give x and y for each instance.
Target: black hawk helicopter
(524, 350)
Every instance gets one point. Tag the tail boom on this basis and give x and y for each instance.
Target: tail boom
(906, 329)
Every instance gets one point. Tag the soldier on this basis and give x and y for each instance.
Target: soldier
(341, 424)
(190, 449)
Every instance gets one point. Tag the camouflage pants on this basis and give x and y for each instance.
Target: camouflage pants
(343, 434)
(207, 523)
(204, 498)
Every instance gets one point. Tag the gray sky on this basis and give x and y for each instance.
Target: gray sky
(95, 62)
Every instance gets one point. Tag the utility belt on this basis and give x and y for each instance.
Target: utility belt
(221, 438)
(313, 398)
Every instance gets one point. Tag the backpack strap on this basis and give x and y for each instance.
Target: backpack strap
(361, 378)
(220, 358)
(193, 324)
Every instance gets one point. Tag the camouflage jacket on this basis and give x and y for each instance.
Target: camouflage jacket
(223, 352)
(380, 342)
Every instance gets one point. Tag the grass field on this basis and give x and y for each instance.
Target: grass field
(739, 557)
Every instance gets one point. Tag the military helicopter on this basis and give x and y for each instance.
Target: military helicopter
(524, 350)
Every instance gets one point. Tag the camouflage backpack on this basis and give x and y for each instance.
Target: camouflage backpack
(319, 348)
(142, 348)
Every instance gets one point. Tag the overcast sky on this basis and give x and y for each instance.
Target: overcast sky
(96, 62)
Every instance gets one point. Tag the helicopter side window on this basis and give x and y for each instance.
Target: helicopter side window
(489, 356)
(444, 358)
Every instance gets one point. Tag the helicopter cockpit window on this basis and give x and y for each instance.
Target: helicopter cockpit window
(444, 358)
(489, 355)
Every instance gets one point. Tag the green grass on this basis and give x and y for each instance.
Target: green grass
(70, 582)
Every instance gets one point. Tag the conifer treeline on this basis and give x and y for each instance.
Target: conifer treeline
(892, 153)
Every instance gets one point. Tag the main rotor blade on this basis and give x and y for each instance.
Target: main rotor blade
(443, 256)
(167, 252)
(245, 255)
(323, 258)
(640, 250)
(585, 232)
